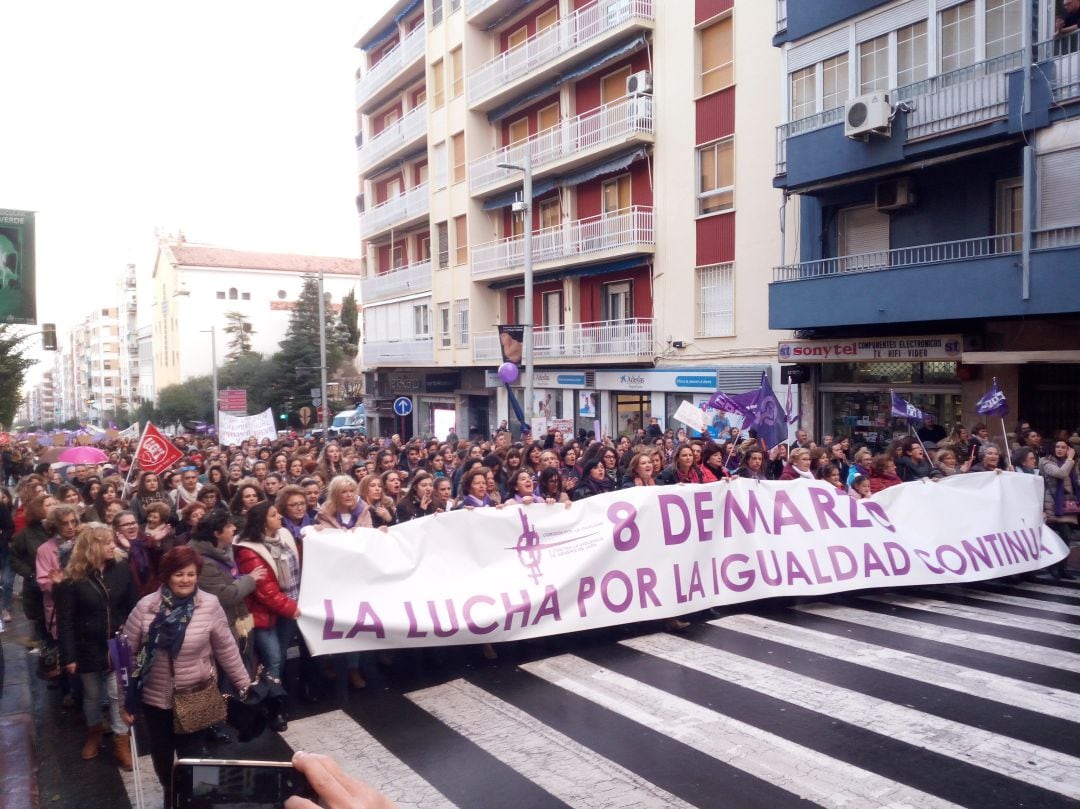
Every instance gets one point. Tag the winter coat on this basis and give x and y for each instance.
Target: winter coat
(24, 548)
(268, 602)
(908, 470)
(217, 580)
(409, 509)
(207, 637)
(48, 560)
(879, 482)
(327, 516)
(670, 476)
(89, 612)
(1052, 474)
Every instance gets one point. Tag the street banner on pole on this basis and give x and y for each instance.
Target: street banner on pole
(18, 289)
(237, 429)
(490, 575)
(155, 452)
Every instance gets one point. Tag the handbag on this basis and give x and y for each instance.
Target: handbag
(198, 707)
(48, 662)
(1070, 506)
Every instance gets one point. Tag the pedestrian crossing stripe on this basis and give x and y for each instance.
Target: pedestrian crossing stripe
(964, 697)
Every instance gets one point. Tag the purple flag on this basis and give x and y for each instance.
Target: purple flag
(993, 402)
(767, 418)
(721, 401)
(903, 409)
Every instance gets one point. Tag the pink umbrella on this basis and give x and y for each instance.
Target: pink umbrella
(83, 455)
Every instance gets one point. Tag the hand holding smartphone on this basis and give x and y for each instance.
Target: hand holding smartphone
(231, 784)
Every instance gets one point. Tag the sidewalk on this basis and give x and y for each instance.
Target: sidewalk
(18, 754)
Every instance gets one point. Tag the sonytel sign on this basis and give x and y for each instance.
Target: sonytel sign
(923, 348)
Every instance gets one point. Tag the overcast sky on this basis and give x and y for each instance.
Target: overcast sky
(232, 120)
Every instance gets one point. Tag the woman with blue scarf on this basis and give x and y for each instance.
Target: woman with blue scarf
(176, 633)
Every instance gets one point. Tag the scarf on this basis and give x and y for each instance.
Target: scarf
(295, 528)
(598, 486)
(469, 500)
(185, 498)
(280, 553)
(1059, 490)
(141, 557)
(692, 475)
(166, 632)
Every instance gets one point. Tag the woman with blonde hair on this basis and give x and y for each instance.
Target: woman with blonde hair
(343, 508)
(93, 601)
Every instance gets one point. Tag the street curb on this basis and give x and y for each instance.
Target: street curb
(18, 752)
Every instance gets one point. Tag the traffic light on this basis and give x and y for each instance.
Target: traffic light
(284, 416)
(48, 336)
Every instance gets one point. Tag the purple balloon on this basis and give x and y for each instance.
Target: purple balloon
(508, 372)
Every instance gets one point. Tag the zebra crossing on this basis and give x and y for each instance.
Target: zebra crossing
(956, 696)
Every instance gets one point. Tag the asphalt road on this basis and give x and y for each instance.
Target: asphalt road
(930, 697)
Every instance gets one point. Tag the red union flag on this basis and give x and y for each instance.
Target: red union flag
(156, 452)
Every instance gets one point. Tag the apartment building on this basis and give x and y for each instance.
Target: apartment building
(645, 292)
(41, 400)
(931, 148)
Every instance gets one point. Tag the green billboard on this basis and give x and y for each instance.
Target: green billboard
(18, 302)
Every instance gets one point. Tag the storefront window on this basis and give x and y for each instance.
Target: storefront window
(587, 410)
(632, 412)
(893, 373)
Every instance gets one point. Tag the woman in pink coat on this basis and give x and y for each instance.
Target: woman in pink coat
(175, 635)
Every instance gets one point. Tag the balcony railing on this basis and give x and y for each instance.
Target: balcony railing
(919, 255)
(403, 281)
(629, 228)
(617, 339)
(798, 127)
(612, 123)
(573, 31)
(390, 352)
(781, 15)
(960, 98)
(393, 62)
(413, 203)
(1048, 239)
(476, 6)
(1064, 54)
(404, 130)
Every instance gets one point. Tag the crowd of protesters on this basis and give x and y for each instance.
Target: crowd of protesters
(98, 548)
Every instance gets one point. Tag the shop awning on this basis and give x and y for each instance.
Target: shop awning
(578, 271)
(617, 163)
(391, 28)
(509, 197)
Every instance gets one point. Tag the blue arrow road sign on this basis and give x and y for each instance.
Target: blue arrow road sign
(403, 405)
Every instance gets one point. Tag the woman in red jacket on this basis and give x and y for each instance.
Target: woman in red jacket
(273, 605)
(883, 473)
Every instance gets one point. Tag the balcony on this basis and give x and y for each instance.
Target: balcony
(402, 136)
(377, 83)
(595, 238)
(396, 212)
(572, 38)
(403, 281)
(963, 99)
(1059, 60)
(573, 142)
(967, 279)
(610, 339)
(415, 351)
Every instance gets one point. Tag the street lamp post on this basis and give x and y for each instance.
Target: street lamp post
(325, 407)
(213, 377)
(527, 342)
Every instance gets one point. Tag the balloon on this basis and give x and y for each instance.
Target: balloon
(508, 372)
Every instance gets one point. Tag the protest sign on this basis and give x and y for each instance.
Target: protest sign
(491, 575)
(691, 416)
(237, 429)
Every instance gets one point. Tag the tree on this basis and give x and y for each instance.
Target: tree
(239, 330)
(189, 401)
(13, 367)
(350, 323)
(298, 360)
(260, 376)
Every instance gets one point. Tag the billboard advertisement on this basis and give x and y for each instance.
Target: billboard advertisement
(18, 302)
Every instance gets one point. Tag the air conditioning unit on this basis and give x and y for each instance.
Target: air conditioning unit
(870, 113)
(895, 195)
(639, 84)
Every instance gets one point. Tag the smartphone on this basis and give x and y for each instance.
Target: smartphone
(199, 783)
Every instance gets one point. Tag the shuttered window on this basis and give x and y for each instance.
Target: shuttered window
(1059, 193)
(864, 238)
(717, 56)
(716, 300)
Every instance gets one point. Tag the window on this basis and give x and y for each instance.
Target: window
(834, 82)
(1010, 210)
(550, 214)
(716, 300)
(444, 325)
(438, 156)
(551, 309)
(547, 19)
(617, 301)
(436, 12)
(804, 93)
(912, 60)
(421, 327)
(1004, 27)
(455, 5)
(613, 86)
(458, 70)
(461, 322)
(221, 296)
(458, 144)
(245, 296)
(956, 36)
(518, 131)
(232, 294)
(517, 37)
(518, 304)
(874, 65)
(616, 195)
(443, 235)
(548, 117)
(863, 236)
(424, 248)
(397, 256)
(437, 87)
(717, 56)
(461, 241)
(281, 294)
(716, 177)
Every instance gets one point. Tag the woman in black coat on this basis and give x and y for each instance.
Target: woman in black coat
(93, 602)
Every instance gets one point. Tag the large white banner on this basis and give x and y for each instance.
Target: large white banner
(237, 429)
(493, 575)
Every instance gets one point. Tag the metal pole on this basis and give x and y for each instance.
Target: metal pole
(217, 403)
(322, 361)
(1028, 214)
(528, 342)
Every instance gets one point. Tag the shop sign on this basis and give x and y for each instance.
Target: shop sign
(404, 383)
(562, 380)
(442, 383)
(924, 348)
(697, 381)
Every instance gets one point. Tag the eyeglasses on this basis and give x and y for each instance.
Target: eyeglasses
(296, 504)
(128, 525)
(69, 522)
